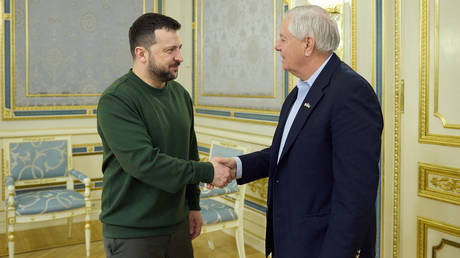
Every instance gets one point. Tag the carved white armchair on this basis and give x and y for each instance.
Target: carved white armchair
(33, 164)
(223, 208)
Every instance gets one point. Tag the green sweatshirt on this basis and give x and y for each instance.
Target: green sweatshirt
(150, 164)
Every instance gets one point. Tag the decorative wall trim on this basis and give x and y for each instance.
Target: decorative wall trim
(204, 149)
(439, 183)
(436, 111)
(354, 35)
(2, 175)
(378, 60)
(260, 187)
(424, 132)
(441, 245)
(87, 149)
(423, 225)
(397, 129)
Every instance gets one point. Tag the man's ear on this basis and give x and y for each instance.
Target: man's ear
(309, 44)
(141, 54)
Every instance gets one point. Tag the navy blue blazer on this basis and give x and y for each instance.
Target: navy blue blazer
(322, 193)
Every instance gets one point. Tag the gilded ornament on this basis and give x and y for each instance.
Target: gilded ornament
(446, 184)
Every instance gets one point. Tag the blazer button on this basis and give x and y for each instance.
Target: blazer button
(277, 181)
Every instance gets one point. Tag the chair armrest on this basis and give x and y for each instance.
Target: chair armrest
(80, 176)
(9, 183)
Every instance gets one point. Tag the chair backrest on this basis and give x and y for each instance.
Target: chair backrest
(37, 157)
(223, 149)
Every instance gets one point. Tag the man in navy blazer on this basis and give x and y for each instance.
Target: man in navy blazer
(323, 164)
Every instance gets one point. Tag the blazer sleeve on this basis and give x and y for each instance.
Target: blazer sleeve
(255, 166)
(356, 128)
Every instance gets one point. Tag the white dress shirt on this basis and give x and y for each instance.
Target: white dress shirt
(303, 89)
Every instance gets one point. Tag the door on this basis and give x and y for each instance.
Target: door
(429, 155)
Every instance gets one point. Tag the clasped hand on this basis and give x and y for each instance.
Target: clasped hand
(224, 171)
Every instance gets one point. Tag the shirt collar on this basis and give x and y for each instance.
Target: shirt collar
(308, 83)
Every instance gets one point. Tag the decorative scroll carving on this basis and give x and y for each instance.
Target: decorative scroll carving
(446, 184)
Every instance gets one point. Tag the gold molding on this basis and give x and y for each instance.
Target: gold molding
(219, 136)
(233, 118)
(260, 188)
(383, 147)
(256, 200)
(441, 245)
(290, 4)
(204, 156)
(437, 114)
(424, 133)
(242, 110)
(354, 35)
(207, 145)
(89, 149)
(3, 174)
(439, 183)
(373, 43)
(235, 131)
(423, 224)
(2, 55)
(397, 130)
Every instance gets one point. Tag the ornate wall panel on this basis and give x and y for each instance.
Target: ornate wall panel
(436, 239)
(237, 73)
(439, 183)
(439, 122)
(58, 56)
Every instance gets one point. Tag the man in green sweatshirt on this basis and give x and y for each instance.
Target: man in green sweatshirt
(150, 198)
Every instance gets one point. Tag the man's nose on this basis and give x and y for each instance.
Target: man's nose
(179, 58)
(277, 46)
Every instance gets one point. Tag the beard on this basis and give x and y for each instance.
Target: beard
(163, 75)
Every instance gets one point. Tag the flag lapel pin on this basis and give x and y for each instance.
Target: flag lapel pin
(307, 105)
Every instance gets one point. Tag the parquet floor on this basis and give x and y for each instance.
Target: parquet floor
(56, 245)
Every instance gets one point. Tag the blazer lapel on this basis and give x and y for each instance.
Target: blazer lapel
(281, 123)
(311, 101)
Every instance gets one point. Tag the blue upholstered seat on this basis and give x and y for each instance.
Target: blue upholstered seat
(45, 201)
(32, 160)
(42, 168)
(214, 211)
(230, 188)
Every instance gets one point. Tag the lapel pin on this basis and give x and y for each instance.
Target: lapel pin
(307, 105)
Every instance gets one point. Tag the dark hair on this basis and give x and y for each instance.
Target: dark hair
(142, 32)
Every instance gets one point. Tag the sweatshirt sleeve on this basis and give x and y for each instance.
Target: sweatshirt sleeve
(126, 136)
(193, 190)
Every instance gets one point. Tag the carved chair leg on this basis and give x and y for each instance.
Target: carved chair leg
(11, 240)
(87, 236)
(239, 237)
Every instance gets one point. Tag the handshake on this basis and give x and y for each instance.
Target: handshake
(224, 171)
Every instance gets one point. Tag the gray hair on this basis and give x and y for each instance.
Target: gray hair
(314, 21)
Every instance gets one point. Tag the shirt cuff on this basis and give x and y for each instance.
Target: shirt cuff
(239, 168)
